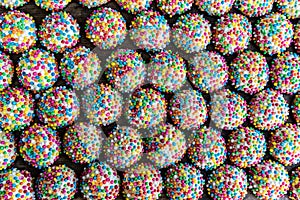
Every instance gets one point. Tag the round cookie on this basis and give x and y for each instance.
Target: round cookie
(208, 71)
(37, 70)
(123, 147)
(269, 180)
(135, 6)
(167, 71)
(284, 144)
(268, 110)
(39, 146)
(174, 7)
(102, 104)
(246, 147)
(146, 108)
(188, 109)
(291, 8)
(232, 33)
(207, 148)
(249, 72)
(12, 4)
(273, 33)
(8, 149)
(52, 5)
(294, 192)
(80, 67)
(93, 3)
(100, 181)
(227, 182)
(17, 31)
(184, 181)
(165, 146)
(56, 182)
(191, 33)
(149, 30)
(215, 7)
(6, 71)
(16, 107)
(254, 8)
(106, 28)
(285, 72)
(16, 184)
(83, 142)
(59, 31)
(142, 181)
(125, 70)
(297, 37)
(58, 107)
(228, 109)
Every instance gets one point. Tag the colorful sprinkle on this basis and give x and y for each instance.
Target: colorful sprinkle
(269, 180)
(273, 33)
(106, 28)
(58, 107)
(215, 7)
(6, 71)
(123, 147)
(147, 108)
(80, 67)
(102, 104)
(285, 73)
(37, 70)
(174, 7)
(246, 147)
(8, 150)
(52, 5)
(227, 182)
(150, 31)
(228, 109)
(291, 8)
(191, 33)
(255, 8)
(83, 142)
(268, 110)
(134, 6)
(188, 109)
(142, 181)
(207, 148)
(17, 31)
(100, 181)
(232, 33)
(284, 144)
(167, 71)
(57, 182)
(16, 109)
(16, 184)
(59, 31)
(184, 181)
(39, 145)
(12, 4)
(93, 3)
(208, 71)
(296, 108)
(125, 70)
(165, 146)
(249, 72)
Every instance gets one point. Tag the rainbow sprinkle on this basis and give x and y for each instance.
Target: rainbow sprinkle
(37, 70)
(39, 145)
(273, 33)
(191, 33)
(59, 31)
(106, 28)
